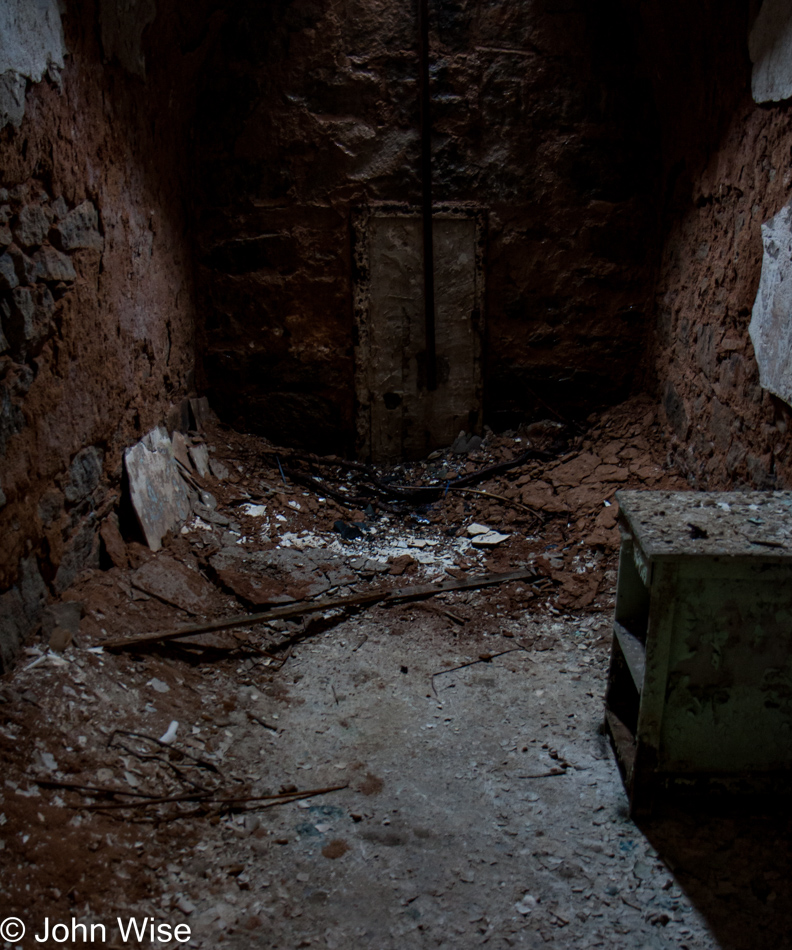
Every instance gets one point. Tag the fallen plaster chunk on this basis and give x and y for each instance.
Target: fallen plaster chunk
(200, 459)
(477, 529)
(159, 496)
(255, 511)
(489, 540)
(170, 733)
(770, 47)
(771, 322)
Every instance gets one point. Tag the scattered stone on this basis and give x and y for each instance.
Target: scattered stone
(399, 565)
(526, 906)
(209, 514)
(47, 759)
(157, 491)
(33, 45)
(368, 566)
(489, 540)
(218, 470)
(60, 639)
(459, 446)
(208, 500)
(349, 532)
(171, 581)
(476, 529)
(200, 459)
(158, 685)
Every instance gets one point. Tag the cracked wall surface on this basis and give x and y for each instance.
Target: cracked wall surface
(310, 110)
(96, 289)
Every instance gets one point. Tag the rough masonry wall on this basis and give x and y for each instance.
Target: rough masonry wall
(312, 109)
(96, 298)
(726, 171)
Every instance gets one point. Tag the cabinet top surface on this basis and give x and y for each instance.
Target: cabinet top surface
(709, 524)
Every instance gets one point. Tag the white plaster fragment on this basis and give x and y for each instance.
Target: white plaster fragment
(770, 47)
(31, 43)
(771, 322)
(158, 494)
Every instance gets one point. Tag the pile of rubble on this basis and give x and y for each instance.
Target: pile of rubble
(244, 550)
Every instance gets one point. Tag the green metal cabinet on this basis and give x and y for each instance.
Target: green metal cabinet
(699, 691)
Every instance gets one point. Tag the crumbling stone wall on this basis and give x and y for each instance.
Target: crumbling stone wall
(96, 283)
(726, 171)
(311, 109)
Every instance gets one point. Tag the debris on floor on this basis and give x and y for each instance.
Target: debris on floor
(305, 754)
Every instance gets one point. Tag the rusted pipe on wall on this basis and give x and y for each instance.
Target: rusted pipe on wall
(426, 185)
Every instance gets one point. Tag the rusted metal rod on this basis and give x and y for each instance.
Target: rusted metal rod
(426, 185)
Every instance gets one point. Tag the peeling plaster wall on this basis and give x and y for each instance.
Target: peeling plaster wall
(770, 45)
(311, 109)
(726, 171)
(771, 321)
(31, 44)
(96, 290)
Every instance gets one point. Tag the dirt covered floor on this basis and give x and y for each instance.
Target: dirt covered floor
(403, 771)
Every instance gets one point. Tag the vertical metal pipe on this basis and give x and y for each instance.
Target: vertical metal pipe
(426, 183)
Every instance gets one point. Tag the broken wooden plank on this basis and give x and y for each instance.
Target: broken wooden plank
(209, 798)
(379, 595)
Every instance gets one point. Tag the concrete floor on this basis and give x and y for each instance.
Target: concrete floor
(479, 807)
(444, 838)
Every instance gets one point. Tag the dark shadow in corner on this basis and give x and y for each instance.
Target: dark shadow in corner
(734, 862)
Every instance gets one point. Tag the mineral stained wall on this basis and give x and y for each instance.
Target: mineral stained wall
(539, 116)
